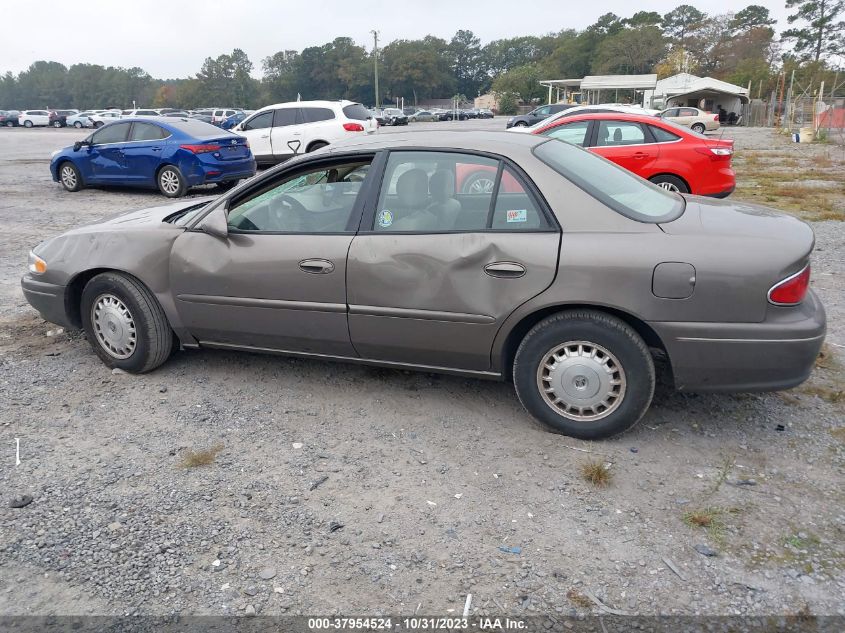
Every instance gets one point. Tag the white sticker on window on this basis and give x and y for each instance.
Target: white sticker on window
(518, 215)
(385, 218)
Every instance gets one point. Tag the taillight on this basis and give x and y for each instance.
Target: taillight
(716, 153)
(353, 127)
(715, 117)
(201, 149)
(792, 290)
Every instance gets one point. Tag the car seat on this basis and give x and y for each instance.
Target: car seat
(412, 202)
(444, 206)
(617, 136)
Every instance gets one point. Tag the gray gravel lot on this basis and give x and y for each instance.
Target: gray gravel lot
(429, 476)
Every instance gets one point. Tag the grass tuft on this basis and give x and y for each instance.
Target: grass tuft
(206, 457)
(596, 472)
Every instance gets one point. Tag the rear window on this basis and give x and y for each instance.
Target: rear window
(196, 128)
(614, 186)
(356, 111)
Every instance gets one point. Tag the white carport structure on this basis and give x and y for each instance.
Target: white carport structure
(570, 88)
(593, 86)
(705, 93)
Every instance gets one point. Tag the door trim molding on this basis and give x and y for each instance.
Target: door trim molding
(273, 304)
(424, 315)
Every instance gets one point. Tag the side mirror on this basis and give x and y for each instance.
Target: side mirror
(80, 144)
(215, 224)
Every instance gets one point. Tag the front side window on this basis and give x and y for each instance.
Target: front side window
(114, 133)
(612, 185)
(431, 192)
(615, 133)
(259, 122)
(575, 133)
(544, 111)
(316, 200)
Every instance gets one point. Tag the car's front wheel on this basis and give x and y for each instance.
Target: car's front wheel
(98, 124)
(10, 124)
(698, 127)
(27, 123)
(584, 373)
(171, 182)
(77, 125)
(670, 183)
(124, 323)
(520, 124)
(70, 177)
(57, 124)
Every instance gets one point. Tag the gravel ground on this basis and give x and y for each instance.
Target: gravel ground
(346, 489)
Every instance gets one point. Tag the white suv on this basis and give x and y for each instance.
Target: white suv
(139, 113)
(99, 120)
(31, 118)
(279, 131)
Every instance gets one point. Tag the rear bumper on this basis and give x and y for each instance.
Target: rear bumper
(778, 353)
(205, 173)
(48, 299)
(722, 194)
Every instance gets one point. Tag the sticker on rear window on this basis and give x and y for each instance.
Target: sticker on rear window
(518, 215)
(385, 218)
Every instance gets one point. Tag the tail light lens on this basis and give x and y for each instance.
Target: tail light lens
(201, 149)
(716, 153)
(353, 127)
(792, 290)
(715, 117)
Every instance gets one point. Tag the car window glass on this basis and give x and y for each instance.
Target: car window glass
(614, 133)
(575, 133)
(356, 111)
(515, 208)
(312, 201)
(285, 116)
(263, 120)
(114, 133)
(661, 135)
(689, 112)
(313, 115)
(147, 132)
(542, 111)
(436, 191)
(612, 185)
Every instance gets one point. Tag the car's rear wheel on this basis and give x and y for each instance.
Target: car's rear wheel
(171, 182)
(98, 124)
(10, 124)
(670, 183)
(77, 125)
(27, 123)
(584, 373)
(57, 124)
(227, 184)
(316, 146)
(479, 183)
(698, 127)
(520, 124)
(70, 177)
(124, 323)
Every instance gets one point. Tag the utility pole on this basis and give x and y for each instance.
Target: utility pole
(375, 61)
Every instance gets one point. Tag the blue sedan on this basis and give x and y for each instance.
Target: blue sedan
(172, 155)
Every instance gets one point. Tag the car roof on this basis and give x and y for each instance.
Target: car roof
(495, 142)
(301, 104)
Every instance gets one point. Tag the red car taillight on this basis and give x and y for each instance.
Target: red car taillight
(201, 149)
(792, 290)
(715, 117)
(353, 127)
(716, 153)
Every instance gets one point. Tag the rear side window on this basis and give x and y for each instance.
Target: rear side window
(432, 192)
(259, 122)
(286, 116)
(661, 135)
(615, 133)
(612, 185)
(314, 115)
(689, 112)
(147, 132)
(356, 111)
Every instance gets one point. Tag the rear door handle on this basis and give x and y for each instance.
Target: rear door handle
(506, 270)
(316, 266)
(155, 149)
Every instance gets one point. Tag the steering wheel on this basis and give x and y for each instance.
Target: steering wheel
(287, 211)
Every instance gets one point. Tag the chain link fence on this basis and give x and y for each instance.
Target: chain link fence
(824, 118)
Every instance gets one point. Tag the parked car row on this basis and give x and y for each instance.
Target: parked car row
(221, 117)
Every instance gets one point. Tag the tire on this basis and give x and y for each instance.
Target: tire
(520, 124)
(315, 146)
(600, 349)
(9, 124)
(57, 124)
(69, 176)
(171, 182)
(98, 124)
(228, 184)
(698, 127)
(670, 182)
(27, 123)
(479, 182)
(125, 324)
(78, 125)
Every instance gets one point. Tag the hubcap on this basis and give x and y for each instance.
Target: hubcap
(481, 185)
(668, 186)
(114, 326)
(581, 381)
(169, 181)
(68, 177)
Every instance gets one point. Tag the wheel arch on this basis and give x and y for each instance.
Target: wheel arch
(674, 175)
(316, 141)
(68, 159)
(522, 327)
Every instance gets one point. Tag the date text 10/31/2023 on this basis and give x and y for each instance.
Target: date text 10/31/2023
(421, 623)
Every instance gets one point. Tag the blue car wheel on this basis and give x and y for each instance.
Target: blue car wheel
(171, 182)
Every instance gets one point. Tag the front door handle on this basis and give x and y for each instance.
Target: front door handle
(316, 266)
(506, 270)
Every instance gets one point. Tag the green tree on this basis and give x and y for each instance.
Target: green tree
(465, 54)
(682, 23)
(751, 17)
(823, 32)
(418, 69)
(523, 81)
(630, 51)
(644, 18)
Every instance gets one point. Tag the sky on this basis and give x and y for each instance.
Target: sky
(171, 40)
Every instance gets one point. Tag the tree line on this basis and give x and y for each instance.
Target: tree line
(742, 48)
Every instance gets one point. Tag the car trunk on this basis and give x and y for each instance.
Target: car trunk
(232, 147)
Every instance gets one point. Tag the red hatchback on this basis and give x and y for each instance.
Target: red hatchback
(674, 157)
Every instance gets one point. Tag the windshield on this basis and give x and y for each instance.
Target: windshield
(618, 188)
